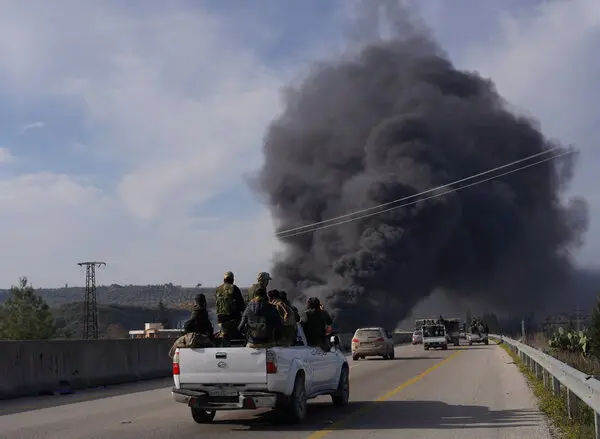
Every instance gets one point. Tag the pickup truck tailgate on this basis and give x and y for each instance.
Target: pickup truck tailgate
(237, 365)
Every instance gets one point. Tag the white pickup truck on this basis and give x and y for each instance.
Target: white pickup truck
(435, 336)
(477, 337)
(241, 378)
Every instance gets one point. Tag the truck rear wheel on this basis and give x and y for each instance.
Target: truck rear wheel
(202, 416)
(293, 408)
(342, 394)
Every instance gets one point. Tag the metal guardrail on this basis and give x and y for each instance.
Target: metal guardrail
(556, 373)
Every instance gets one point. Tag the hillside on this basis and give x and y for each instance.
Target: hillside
(173, 296)
(114, 321)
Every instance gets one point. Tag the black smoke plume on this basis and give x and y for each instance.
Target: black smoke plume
(391, 120)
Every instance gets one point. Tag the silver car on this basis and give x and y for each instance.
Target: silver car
(372, 342)
(417, 337)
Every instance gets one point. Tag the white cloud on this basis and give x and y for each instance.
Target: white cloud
(32, 126)
(176, 100)
(6, 156)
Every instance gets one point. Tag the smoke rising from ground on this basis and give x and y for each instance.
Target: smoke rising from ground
(391, 120)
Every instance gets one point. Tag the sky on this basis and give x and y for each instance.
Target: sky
(127, 134)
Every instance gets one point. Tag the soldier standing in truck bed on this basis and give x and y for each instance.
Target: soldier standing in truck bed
(262, 281)
(230, 306)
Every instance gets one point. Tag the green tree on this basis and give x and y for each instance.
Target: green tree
(25, 315)
(162, 314)
(595, 331)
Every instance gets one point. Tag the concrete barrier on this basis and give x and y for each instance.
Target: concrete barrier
(402, 337)
(35, 367)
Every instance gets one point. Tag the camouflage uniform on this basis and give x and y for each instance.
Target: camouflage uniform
(283, 296)
(230, 306)
(260, 321)
(287, 336)
(262, 281)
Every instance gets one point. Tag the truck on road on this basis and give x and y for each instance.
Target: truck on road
(242, 378)
(477, 334)
(434, 336)
(453, 331)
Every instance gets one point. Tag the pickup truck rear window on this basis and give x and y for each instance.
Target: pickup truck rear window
(368, 333)
(433, 332)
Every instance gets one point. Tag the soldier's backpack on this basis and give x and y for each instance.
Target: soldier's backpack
(258, 329)
(224, 300)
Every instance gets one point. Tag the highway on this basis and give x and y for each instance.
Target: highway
(470, 392)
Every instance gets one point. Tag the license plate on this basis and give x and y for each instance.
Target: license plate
(223, 392)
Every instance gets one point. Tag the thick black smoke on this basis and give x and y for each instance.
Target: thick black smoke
(395, 119)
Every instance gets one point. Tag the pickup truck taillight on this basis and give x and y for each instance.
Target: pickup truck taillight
(271, 362)
(355, 340)
(176, 363)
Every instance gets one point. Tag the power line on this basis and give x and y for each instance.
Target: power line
(300, 232)
(420, 193)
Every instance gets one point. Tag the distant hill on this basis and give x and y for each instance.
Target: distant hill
(114, 321)
(173, 296)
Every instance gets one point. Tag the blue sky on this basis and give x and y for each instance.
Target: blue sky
(126, 133)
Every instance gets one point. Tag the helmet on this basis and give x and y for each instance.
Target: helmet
(263, 277)
(228, 275)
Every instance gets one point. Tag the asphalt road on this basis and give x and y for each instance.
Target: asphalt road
(462, 393)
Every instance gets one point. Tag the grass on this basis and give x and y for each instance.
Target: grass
(588, 365)
(580, 426)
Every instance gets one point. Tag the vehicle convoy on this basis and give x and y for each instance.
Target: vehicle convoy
(242, 378)
(434, 336)
(372, 342)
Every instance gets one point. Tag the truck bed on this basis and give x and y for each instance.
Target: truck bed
(223, 365)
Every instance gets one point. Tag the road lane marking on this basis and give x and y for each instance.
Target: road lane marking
(319, 434)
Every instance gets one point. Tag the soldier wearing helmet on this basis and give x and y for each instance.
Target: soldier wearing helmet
(230, 307)
(262, 281)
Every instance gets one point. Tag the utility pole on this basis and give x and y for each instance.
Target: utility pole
(90, 317)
